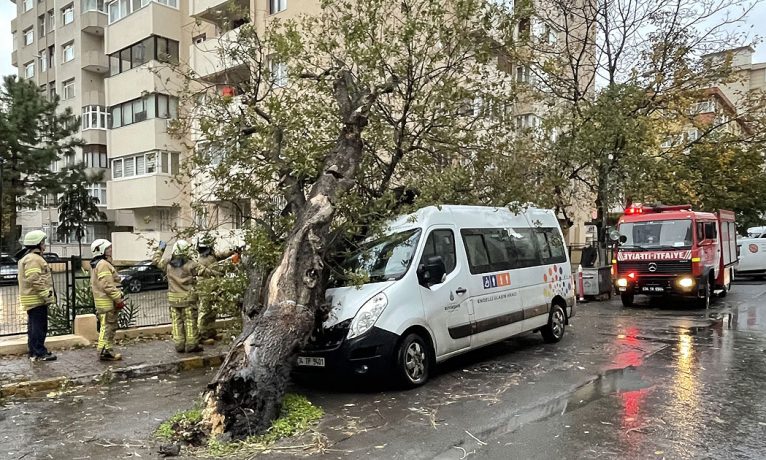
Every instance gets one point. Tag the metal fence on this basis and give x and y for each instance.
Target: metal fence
(145, 286)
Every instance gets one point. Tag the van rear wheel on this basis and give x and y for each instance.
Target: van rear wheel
(554, 330)
(413, 361)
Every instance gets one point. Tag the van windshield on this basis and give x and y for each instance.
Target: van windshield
(385, 259)
(660, 234)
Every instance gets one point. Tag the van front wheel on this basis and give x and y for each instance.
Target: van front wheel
(554, 330)
(413, 361)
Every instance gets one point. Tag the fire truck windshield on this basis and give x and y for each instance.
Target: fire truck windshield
(659, 234)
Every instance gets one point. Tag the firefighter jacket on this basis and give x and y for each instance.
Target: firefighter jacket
(209, 262)
(35, 281)
(105, 283)
(182, 276)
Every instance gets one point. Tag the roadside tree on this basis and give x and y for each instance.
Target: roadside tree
(76, 205)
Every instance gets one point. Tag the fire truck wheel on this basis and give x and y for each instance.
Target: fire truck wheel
(627, 299)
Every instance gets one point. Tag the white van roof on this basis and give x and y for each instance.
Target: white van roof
(756, 230)
(474, 217)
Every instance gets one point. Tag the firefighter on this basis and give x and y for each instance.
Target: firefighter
(207, 310)
(182, 272)
(36, 294)
(107, 296)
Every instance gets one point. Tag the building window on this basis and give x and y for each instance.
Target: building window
(94, 156)
(692, 135)
(94, 5)
(95, 117)
(29, 36)
(703, 107)
(145, 108)
(279, 73)
(527, 121)
(145, 164)
(151, 48)
(68, 51)
(52, 90)
(51, 55)
(44, 61)
(51, 21)
(67, 89)
(41, 25)
(29, 70)
(28, 4)
(275, 6)
(119, 9)
(67, 14)
(98, 191)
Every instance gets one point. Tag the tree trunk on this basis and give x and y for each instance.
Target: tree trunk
(246, 394)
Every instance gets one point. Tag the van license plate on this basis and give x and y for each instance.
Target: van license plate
(653, 289)
(312, 361)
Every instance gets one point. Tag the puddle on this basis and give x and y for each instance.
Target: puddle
(613, 381)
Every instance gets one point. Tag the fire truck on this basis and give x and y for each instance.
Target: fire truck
(674, 251)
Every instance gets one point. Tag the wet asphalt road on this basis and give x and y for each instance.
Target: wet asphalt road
(660, 380)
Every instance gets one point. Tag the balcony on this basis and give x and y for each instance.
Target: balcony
(94, 22)
(206, 58)
(14, 25)
(213, 10)
(95, 61)
(153, 18)
(143, 192)
(93, 136)
(15, 58)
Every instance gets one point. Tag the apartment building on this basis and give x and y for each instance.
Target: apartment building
(59, 44)
(113, 62)
(749, 76)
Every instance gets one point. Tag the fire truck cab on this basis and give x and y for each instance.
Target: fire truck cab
(672, 250)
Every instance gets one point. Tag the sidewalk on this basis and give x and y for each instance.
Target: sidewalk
(21, 377)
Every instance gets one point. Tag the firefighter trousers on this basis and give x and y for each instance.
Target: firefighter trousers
(185, 331)
(108, 324)
(207, 314)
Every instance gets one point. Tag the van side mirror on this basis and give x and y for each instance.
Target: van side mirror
(623, 239)
(432, 272)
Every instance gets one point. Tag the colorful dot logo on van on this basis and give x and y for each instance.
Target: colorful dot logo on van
(499, 280)
(556, 283)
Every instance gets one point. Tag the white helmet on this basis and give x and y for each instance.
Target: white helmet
(99, 247)
(181, 247)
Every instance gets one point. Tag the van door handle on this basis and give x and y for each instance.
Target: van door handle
(461, 291)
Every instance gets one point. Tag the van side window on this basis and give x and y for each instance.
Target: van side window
(441, 243)
(524, 248)
(551, 246)
(478, 259)
(700, 231)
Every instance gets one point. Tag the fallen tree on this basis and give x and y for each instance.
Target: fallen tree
(333, 121)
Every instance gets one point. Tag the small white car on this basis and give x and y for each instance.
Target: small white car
(752, 254)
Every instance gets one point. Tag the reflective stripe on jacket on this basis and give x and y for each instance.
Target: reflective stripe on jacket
(104, 282)
(35, 281)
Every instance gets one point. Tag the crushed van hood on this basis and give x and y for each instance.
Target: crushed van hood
(346, 301)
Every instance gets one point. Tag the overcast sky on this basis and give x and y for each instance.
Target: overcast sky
(757, 20)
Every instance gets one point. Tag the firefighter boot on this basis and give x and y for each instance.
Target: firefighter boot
(109, 355)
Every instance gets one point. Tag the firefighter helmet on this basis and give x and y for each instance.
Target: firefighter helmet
(181, 248)
(205, 241)
(34, 238)
(99, 247)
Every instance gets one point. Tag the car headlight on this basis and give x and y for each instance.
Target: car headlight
(622, 282)
(367, 315)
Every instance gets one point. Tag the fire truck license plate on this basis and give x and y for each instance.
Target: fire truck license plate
(312, 361)
(653, 289)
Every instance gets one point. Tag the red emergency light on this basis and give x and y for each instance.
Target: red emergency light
(640, 209)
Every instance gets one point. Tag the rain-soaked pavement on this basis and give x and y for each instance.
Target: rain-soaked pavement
(660, 380)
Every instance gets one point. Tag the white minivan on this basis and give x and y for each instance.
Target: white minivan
(442, 281)
(752, 254)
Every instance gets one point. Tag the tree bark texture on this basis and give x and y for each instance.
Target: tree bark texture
(245, 395)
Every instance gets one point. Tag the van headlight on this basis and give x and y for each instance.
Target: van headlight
(367, 315)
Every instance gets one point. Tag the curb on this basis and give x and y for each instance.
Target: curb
(30, 387)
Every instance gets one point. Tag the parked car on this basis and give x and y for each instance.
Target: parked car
(9, 269)
(142, 276)
(752, 257)
(51, 257)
